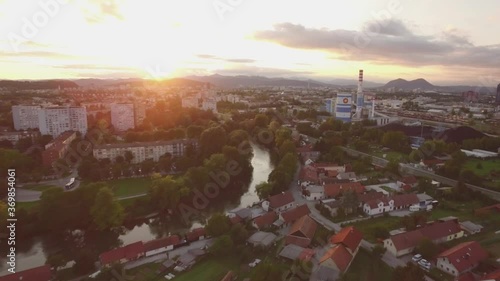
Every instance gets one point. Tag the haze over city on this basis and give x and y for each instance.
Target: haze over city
(449, 41)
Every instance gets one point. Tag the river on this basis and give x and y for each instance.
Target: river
(35, 252)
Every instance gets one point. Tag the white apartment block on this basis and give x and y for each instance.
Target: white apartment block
(122, 116)
(209, 104)
(25, 117)
(57, 120)
(139, 113)
(143, 150)
(188, 102)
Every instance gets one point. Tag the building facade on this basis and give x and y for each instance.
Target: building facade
(14, 137)
(122, 116)
(343, 107)
(142, 151)
(25, 117)
(56, 120)
(58, 148)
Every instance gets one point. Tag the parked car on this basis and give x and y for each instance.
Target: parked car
(424, 264)
(254, 263)
(417, 257)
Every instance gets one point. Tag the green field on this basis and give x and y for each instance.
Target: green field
(28, 206)
(367, 268)
(368, 226)
(129, 187)
(463, 211)
(486, 167)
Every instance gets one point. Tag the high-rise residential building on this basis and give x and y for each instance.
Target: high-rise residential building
(25, 117)
(139, 113)
(497, 100)
(122, 116)
(57, 120)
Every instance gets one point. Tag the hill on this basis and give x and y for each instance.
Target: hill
(37, 85)
(403, 84)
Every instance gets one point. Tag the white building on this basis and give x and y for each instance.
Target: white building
(25, 117)
(14, 137)
(142, 151)
(57, 120)
(315, 192)
(209, 104)
(188, 102)
(122, 116)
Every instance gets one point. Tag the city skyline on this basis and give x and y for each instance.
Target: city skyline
(451, 43)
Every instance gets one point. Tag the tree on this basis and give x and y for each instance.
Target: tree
(427, 248)
(212, 140)
(56, 260)
(166, 193)
(350, 201)
(397, 141)
(264, 189)
(287, 147)
(361, 145)
(261, 120)
(411, 272)
(106, 212)
(378, 250)
(3, 214)
(238, 233)
(393, 167)
(51, 204)
(223, 245)
(128, 156)
(218, 225)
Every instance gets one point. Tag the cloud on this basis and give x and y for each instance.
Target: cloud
(261, 71)
(390, 42)
(99, 10)
(234, 60)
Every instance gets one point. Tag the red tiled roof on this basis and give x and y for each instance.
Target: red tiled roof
(349, 237)
(332, 174)
(305, 227)
(466, 277)
(236, 219)
(281, 199)
(302, 149)
(465, 255)
(340, 256)
(409, 180)
(160, 243)
(308, 173)
(41, 273)
(374, 203)
(229, 276)
(333, 190)
(266, 219)
(432, 231)
(306, 254)
(295, 213)
(196, 233)
(130, 251)
(364, 198)
(495, 275)
(405, 200)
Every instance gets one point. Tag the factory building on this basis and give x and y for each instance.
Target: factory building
(343, 107)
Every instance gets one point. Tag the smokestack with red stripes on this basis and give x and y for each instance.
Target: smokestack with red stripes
(360, 97)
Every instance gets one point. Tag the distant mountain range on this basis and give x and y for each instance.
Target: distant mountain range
(238, 81)
(424, 85)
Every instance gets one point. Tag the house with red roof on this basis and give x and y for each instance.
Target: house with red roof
(345, 246)
(462, 258)
(302, 232)
(123, 254)
(265, 221)
(336, 189)
(196, 234)
(390, 203)
(279, 202)
(41, 273)
(405, 243)
(290, 216)
(161, 245)
(408, 180)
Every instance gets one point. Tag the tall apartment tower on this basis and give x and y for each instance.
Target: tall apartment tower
(122, 116)
(497, 99)
(57, 120)
(25, 117)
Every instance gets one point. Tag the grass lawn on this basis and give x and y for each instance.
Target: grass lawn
(365, 267)
(487, 166)
(129, 187)
(38, 187)
(28, 206)
(461, 210)
(368, 226)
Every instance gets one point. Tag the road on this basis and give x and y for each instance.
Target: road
(407, 168)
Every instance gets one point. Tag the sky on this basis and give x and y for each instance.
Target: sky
(446, 42)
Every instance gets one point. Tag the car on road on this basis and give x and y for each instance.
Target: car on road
(417, 257)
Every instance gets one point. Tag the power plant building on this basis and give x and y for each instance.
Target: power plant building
(343, 107)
